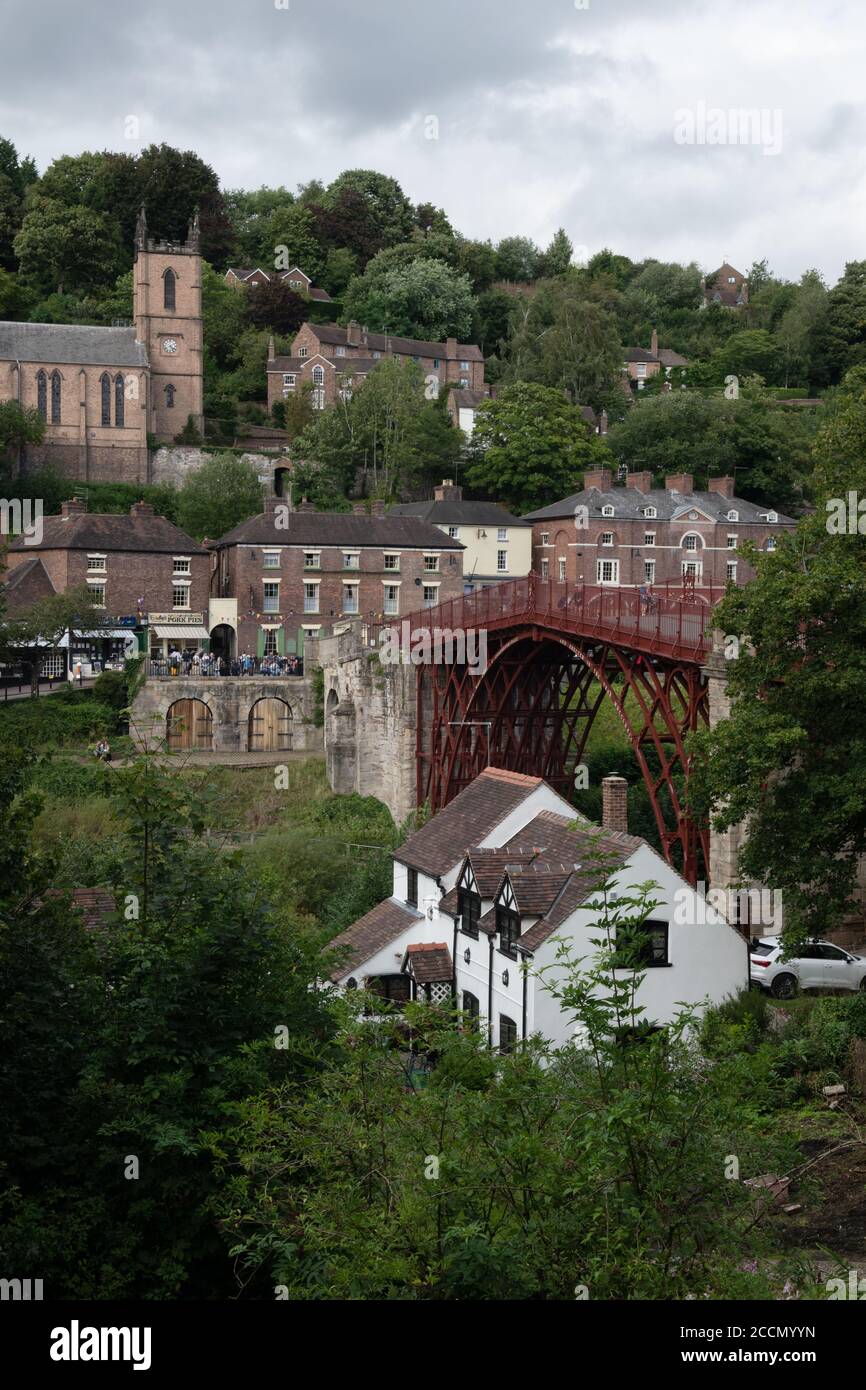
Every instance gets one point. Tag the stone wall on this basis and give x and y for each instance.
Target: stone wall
(230, 701)
(174, 463)
(369, 721)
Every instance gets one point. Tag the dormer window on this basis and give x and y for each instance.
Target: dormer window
(508, 927)
(607, 511)
(650, 511)
(733, 516)
(772, 517)
(469, 904)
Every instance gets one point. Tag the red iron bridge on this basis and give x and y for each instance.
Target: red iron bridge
(555, 652)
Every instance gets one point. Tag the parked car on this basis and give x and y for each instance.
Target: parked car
(819, 965)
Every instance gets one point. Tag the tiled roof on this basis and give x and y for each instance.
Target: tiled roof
(343, 365)
(338, 528)
(383, 342)
(669, 358)
(639, 354)
(628, 503)
(315, 293)
(383, 924)
(71, 342)
(465, 399)
(459, 513)
(108, 531)
(430, 962)
(95, 904)
(442, 842)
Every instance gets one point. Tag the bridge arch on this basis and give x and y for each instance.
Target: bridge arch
(189, 726)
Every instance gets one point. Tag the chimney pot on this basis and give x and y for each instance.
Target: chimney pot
(642, 481)
(680, 482)
(448, 491)
(74, 506)
(141, 509)
(614, 802)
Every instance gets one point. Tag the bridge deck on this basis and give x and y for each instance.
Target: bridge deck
(670, 623)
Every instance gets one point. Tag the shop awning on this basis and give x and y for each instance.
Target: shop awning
(179, 630)
(95, 634)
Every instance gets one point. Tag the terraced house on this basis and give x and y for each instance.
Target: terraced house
(637, 535)
(335, 361)
(285, 576)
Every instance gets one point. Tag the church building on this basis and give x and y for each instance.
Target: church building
(105, 394)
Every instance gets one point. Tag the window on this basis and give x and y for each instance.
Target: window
(772, 516)
(507, 1034)
(270, 559)
(271, 596)
(545, 538)
(412, 887)
(731, 570)
(607, 537)
(41, 394)
(318, 376)
(561, 564)
(607, 511)
(771, 542)
(270, 645)
(318, 398)
(303, 352)
(118, 401)
(641, 369)
(692, 569)
(454, 532)
(97, 594)
(469, 904)
(471, 1007)
(180, 595)
(169, 397)
(169, 297)
(463, 383)
(350, 598)
(431, 563)
(502, 561)
(607, 571)
(391, 562)
(351, 560)
(733, 516)
(96, 562)
(645, 945)
(105, 392)
(649, 538)
(545, 568)
(180, 564)
(431, 595)
(690, 542)
(508, 927)
(55, 398)
(289, 380)
(502, 533)
(312, 559)
(391, 605)
(732, 279)
(650, 512)
(311, 598)
(649, 571)
(395, 989)
(732, 542)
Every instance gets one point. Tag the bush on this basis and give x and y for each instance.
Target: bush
(69, 718)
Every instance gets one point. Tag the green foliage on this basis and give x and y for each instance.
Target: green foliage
(219, 495)
(530, 447)
(69, 718)
(423, 298)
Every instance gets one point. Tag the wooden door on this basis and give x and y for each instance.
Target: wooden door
(270, 727)
(189, 725)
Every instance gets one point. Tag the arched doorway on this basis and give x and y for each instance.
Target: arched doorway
(188, 725)
(282, 477)
(269, 727)
(222, 641)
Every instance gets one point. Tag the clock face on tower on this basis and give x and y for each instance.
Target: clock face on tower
(169, 345)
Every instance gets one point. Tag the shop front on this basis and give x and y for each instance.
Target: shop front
(93, 649)
(173, 634)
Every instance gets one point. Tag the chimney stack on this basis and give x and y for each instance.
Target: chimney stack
(723, 486)
(680, 482)
(271, 349)
(598, 478)
(448, 491)
(358, 509)
(450, 348)
(353, 333)
(141, 509)
(614, 802)
(377, 508)
(76, 506)
(305, 506)
(642, 481)
(654, 344)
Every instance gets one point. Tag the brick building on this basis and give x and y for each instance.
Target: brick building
(726, 286)
(335, 360)
(498, 545)
(296, 279)
(639, 535)
(643, 363)
(284, 576)
(142, 572)
(103, 391)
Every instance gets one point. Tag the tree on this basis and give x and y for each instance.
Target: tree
(276, 306)
(530, 447)
(422, 299)
(517, 258)
(477, 259)
(172, 185)
(348, 222)
(840, 342)
(248, 211)
(557, 258)
(289, 239)
(18, 426)
(390, 210)
(778, 763)
(219, 495)
(562, 338)
(62, 247)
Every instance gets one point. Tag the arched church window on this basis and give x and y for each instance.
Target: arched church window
(169, 396)
(318, 376)
(169, 281)
(105, 389)
(118, 400)
(55, 398)
(42, 394)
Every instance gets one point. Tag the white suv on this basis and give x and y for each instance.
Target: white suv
(819, 965)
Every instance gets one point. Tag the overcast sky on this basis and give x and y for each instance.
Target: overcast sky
(546, 113)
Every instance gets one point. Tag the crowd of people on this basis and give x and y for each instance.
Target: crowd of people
(196, 663)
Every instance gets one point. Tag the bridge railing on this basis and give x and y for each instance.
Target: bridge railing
(664, 618)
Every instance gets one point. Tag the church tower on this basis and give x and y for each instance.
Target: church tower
(168, 320)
